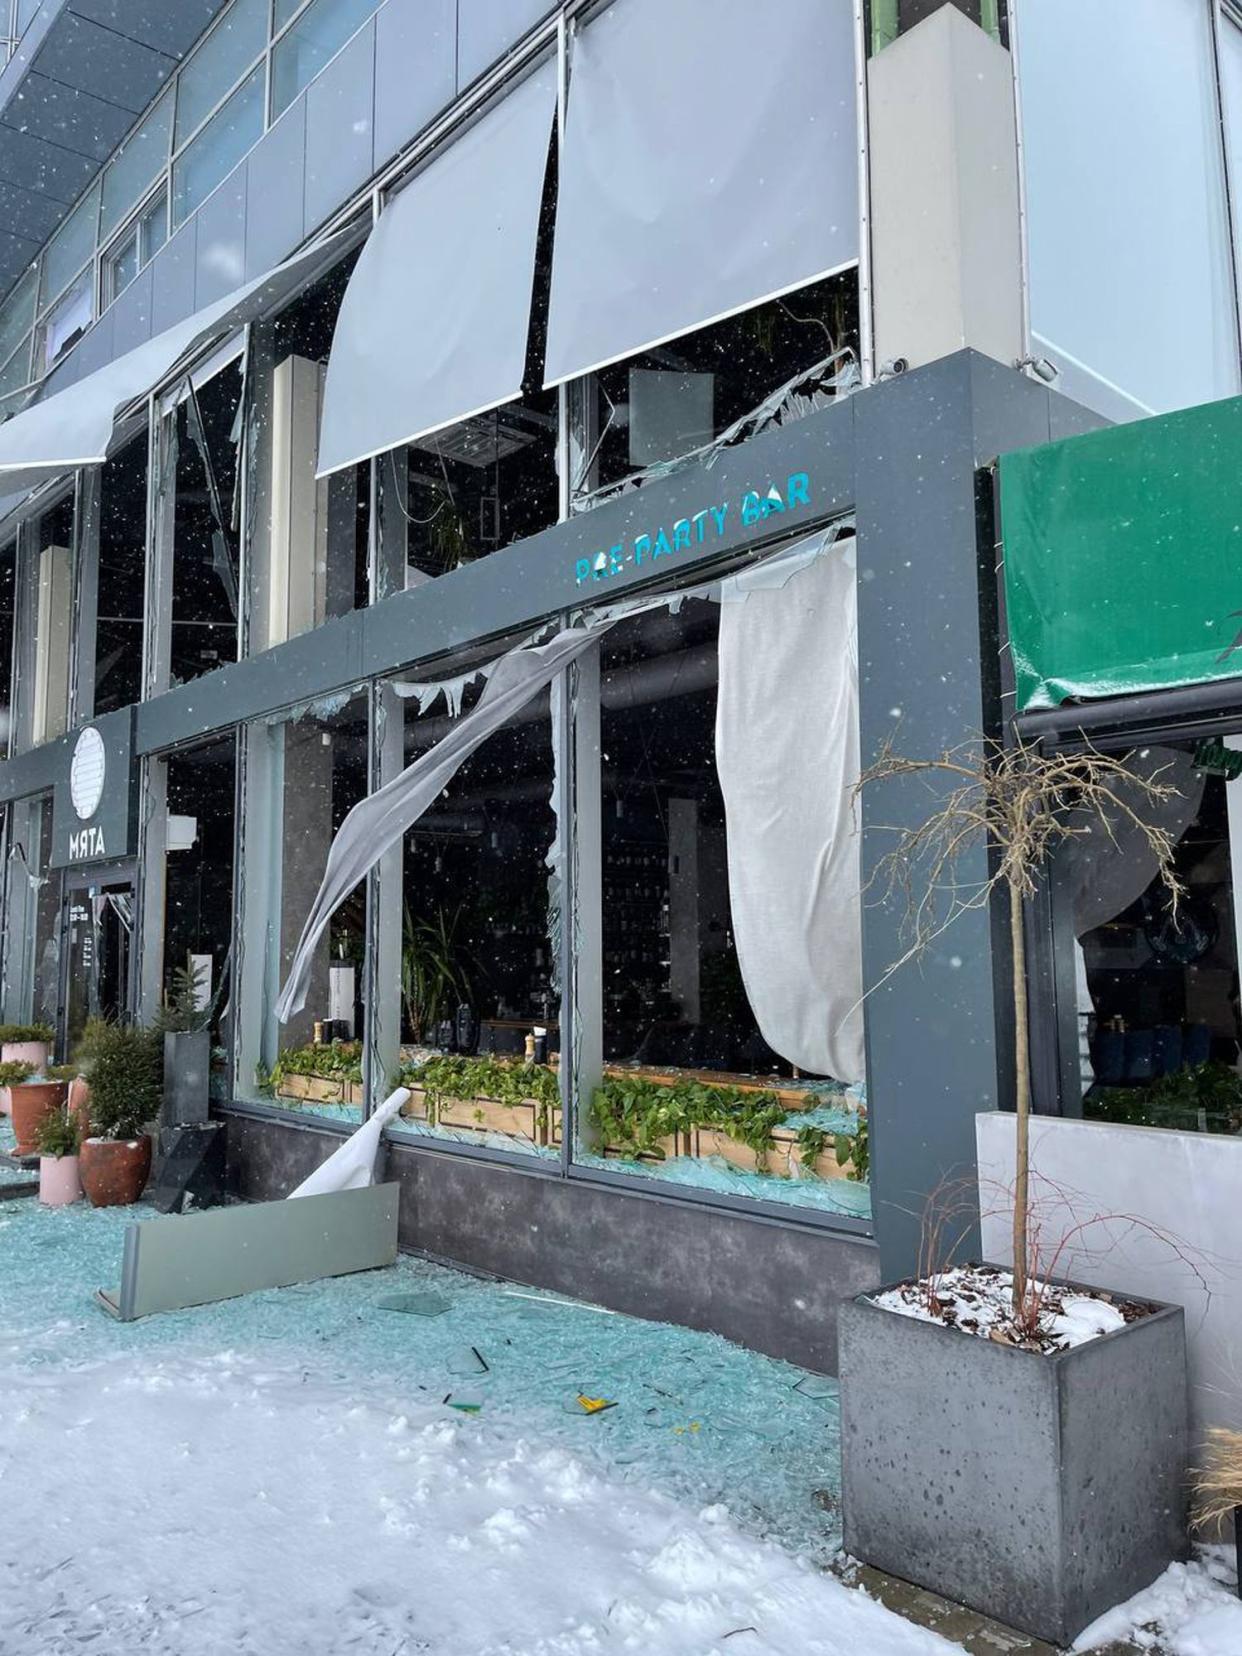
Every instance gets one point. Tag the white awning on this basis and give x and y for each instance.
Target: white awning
(433, 327)
(706, 167)
(74, 427)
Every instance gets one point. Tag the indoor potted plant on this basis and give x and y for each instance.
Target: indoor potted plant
(9, 1074)
(26, 1044)
(1008, 1440)
(184, 1023)
(125, 1096)
(31, 1100)
(59, 1139)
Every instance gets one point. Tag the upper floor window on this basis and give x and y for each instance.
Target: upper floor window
(65, 323)
(230, 133)
(322, 28)
(220, 61)
(135, 248)
(136, 166)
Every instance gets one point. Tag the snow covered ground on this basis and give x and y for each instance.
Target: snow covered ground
(1193, 1610)
(290, 1473)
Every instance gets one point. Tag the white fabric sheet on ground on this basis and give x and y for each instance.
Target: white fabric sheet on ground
(352, 1167)
(787, 755)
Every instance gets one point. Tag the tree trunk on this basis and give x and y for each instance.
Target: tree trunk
(1022, 1076)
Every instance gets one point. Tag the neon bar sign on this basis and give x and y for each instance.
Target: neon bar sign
(687, 533)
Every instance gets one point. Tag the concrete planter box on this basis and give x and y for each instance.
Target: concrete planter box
(1040, 1490)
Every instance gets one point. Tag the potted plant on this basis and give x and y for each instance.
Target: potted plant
(31, 1100)
(79, 1091)
(26, 1044)
(125, 1096)
(184, 1022)
(10, 1073)
(59, 1139)
(1008, 1440)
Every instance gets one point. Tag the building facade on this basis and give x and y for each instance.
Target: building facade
(478, 476)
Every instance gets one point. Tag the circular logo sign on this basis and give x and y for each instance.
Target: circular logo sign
(86, 773)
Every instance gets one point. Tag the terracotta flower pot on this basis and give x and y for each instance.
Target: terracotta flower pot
(32, 1100)
(80, 1103)
(115, 1171)
(59, 1184)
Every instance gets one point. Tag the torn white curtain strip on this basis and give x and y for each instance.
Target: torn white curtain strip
(787, 754)
(745, 185)
(434, 323)
(352, 1167)
(74, 427)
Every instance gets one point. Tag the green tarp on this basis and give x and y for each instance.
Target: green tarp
(1123, 557)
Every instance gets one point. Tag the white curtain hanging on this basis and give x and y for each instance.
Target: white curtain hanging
(788, 758)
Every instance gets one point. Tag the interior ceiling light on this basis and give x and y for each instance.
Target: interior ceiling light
(486, 438)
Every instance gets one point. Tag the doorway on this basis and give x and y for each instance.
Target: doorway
(99, 951)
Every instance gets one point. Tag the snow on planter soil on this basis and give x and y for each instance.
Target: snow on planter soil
(976, 1300)
(289, 1472)
(1192, 1610)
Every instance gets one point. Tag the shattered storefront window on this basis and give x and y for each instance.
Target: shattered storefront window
(720, 385)
(32, 919)
(8, 638)
(681, 1086)
(304, 771)
(479, 997)
(122, 577)
(206, 520)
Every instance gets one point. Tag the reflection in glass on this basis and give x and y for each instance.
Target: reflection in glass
(8, 636)
(70, 248)
(50, 609)
(32, 916)
(136, 166)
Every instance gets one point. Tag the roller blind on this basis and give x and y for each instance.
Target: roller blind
(710, 162)
(434, 323)
(74, 427)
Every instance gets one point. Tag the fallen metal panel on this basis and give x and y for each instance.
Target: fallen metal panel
(197, 1259)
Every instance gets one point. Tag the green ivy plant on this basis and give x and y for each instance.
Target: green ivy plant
(335, 1061)
(853, 1152)
(633, 1114)
(59, 1134)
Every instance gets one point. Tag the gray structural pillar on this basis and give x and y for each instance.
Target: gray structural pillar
(938, 1030)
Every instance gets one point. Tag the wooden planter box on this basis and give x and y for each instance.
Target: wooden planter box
(783, 1161)
(665, 1150)
(314, 1089)
(486, 1115)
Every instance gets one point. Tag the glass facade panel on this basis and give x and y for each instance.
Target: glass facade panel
(17, 316)
(48, 620)
(205, 528)
(222, 143)
(682, 1086)
(153, 228)
(480, 1025)
(319, 33)
(136, 166)
(16, 371)
(70, 248)
(303, 774)
(122, 577)
(221, 59)
(1125, 203)
(121, 266)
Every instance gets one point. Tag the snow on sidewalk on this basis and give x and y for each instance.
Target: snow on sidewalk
(1192, 1610)
(260, 1478)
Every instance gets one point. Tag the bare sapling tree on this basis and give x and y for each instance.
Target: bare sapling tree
(1017, 805)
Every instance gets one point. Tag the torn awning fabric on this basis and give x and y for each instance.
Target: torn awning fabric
(74, 427)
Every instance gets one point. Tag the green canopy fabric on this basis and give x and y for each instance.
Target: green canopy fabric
(1123, 557)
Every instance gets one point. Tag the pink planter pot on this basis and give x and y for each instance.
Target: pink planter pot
(34, 1053)
(59, 1184)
